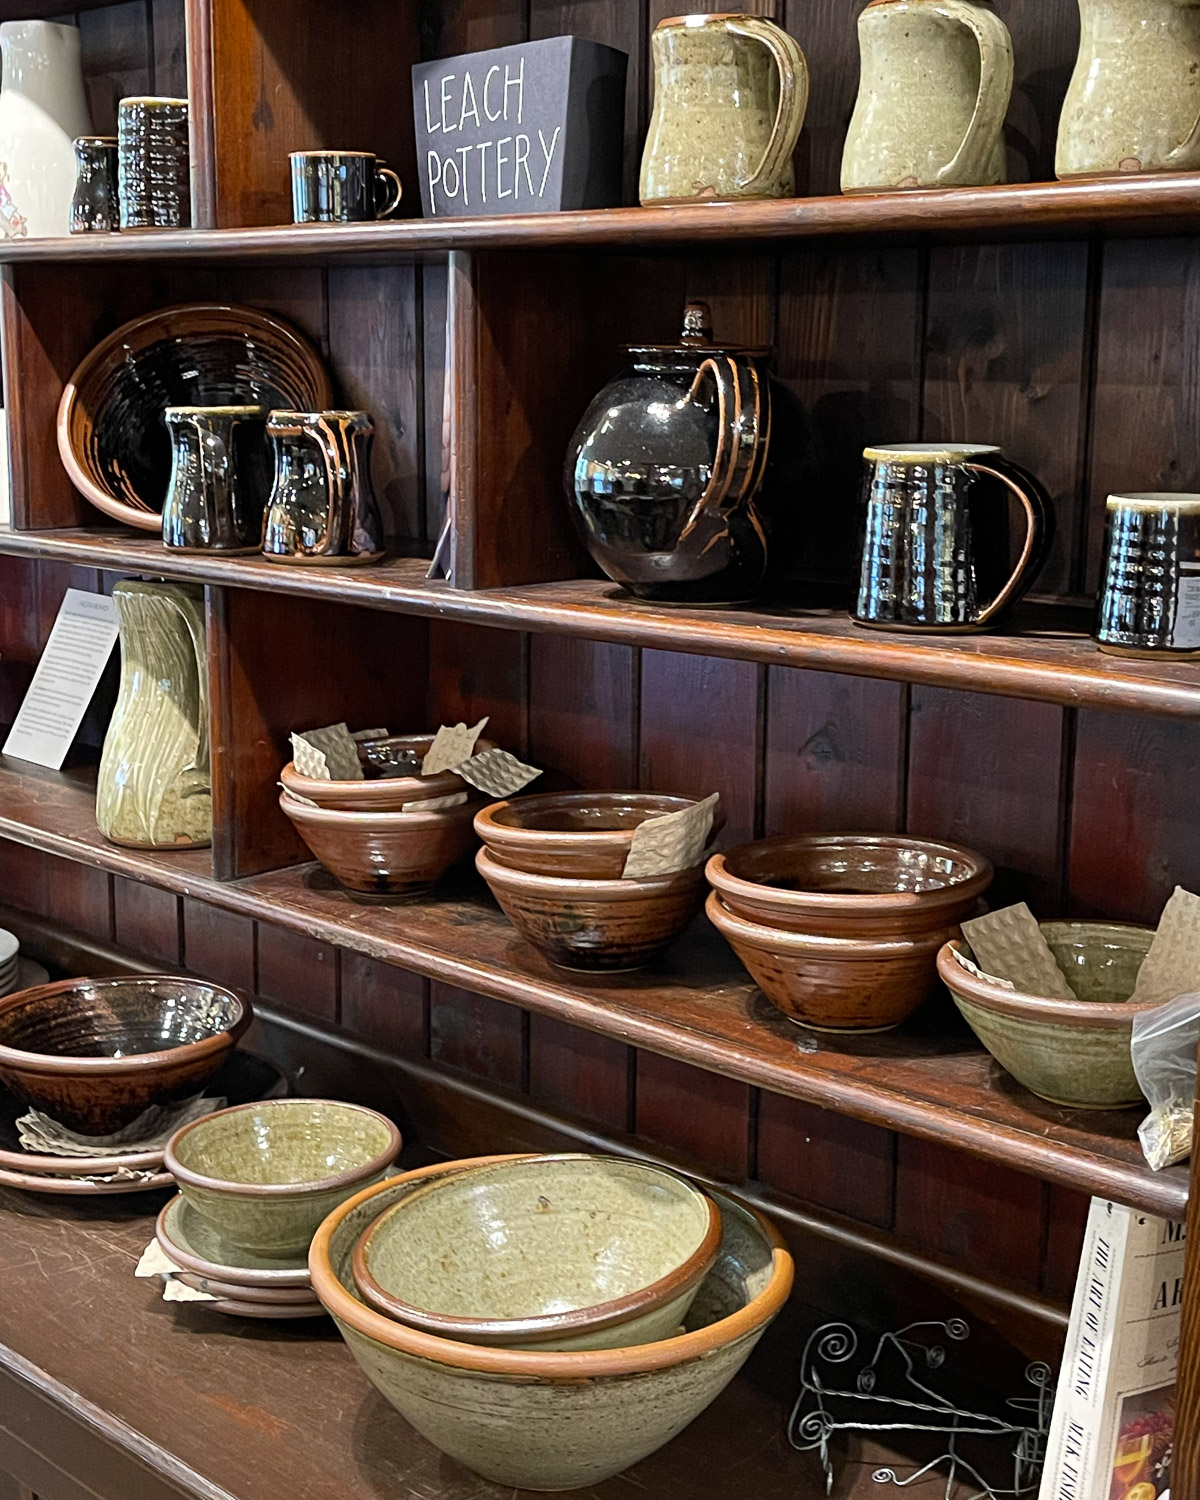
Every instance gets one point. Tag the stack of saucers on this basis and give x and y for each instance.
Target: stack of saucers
(17, 973)
(255, 1182)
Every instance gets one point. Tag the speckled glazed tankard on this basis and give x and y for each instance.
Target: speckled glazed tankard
(730, 96)
(936, 80)
(1133, 104)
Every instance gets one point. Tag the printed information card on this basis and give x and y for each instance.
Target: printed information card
(62, 687)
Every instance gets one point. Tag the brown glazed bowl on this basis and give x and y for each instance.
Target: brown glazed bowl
(582, 835)
(385, 853)
(834, 983)
(595, 924)
(382, 794)
(111, 437)
(851, 885)
(95, 1053)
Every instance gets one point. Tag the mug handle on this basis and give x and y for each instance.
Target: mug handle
(393, 188)
(793, 95)
(1038, 521)
(743, 435)
(995, 90)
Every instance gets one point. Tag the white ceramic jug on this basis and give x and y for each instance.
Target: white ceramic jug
(936, 80)
(1134, 100)
(42, 110)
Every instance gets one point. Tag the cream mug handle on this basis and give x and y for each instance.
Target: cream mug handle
(793, 97)
(969, 163)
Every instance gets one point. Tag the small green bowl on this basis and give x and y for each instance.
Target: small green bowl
(1070, 1052)
(265, 1175)
(559, 1252)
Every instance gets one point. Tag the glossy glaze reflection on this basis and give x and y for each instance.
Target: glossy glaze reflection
(95, 206)
(322, 507)
(1150, 590)
(220, 474)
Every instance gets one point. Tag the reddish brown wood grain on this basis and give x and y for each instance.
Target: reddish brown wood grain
(219, 944)
(835, 753)
(1066, 1220)
(695, 1114)
(991, 776)
(117, 58)
(580, 1074)
(476, 1034)
(583, 712)
(826, 1160)
(147, 920)
(81, 898)
(24, 876)
(386, 1004)
(477, 673)
(701, 727)
(298, 973)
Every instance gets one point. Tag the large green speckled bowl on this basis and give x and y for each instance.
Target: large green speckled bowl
(1076, 1052)
(555, 1421)
(265, 1175)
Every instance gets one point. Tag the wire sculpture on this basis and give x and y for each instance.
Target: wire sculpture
(823, 1409)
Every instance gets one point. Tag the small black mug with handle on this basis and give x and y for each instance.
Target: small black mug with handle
(934, 550)
(342, 187)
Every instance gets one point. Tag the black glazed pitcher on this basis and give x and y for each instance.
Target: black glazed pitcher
(665, 469)
(934, 551)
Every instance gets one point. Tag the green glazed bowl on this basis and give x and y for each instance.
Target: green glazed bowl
(562, 1252)
(537, 1420)
(1074, 1053)
(265, 1175)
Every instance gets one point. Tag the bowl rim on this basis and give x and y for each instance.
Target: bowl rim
(491, 829)
(190, 1261)
(188, 1177)
(307, 786)
(539, 1327)
(581, 1364)
(346, 817)
(731, 925)
(137, 1062)
(756, 892)
(566, 885)
(1109, 1015)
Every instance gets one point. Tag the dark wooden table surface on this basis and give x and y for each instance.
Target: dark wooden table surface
(107, 1391)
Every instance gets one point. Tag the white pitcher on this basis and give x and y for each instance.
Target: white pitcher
(936, 80)
(1134, 100)
(42, 110)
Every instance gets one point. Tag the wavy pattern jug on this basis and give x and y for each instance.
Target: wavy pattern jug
(154, 789)
(1133, 104)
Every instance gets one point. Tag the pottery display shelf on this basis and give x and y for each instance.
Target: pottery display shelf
(1165, 203)
(929, 1079)
(1057, 663)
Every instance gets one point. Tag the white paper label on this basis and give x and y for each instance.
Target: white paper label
(72, 663)
(1185, 635)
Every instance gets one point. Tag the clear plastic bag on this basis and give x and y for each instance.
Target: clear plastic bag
(1164, 1058)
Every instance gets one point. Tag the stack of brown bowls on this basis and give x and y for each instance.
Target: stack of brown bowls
(555, 864)
(548, 1321)
(388, 835)
(842, 931)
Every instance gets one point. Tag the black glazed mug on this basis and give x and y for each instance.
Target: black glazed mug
(94, 208)
(220, 478)
(1150, 597)
(934, 551)
(153, 162)
(342, 187)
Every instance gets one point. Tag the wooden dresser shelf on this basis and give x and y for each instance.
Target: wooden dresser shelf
(1052, 662)
(1146, 204)
(931, 1079)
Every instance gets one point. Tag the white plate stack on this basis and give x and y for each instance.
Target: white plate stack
(17, 973)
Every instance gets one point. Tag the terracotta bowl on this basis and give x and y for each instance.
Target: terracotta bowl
(382, 794)
(533, 1419)
(595, 924)
(582, 835)
(385, 853)
(851, 885)
(94, 1053)
(564, 1252)
(1072, 1052)
(834, 983)
(265, 1175)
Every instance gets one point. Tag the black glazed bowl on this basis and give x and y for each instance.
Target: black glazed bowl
(94, 1053)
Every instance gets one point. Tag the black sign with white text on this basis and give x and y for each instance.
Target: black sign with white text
(520, 130)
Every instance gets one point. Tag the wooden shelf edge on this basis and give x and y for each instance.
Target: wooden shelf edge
(1067, 670)
(1168, 202)
(601, 1011)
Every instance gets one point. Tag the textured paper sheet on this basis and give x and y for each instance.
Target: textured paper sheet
(1010, 945)
(497, 773)
(676, 841)
(153, 1127)
(156, 1262)
(965, 963)
(452, 744)
(1172, 966)
(327, 754)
